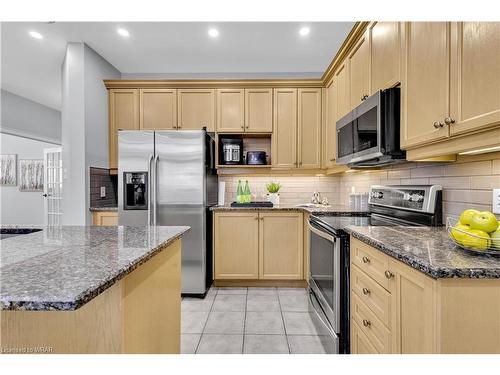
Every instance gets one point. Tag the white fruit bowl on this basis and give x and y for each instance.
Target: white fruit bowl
(494, 243)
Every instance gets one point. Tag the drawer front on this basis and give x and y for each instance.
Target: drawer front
(360, 344)
(373, 262)
(370, 325)
(372, 294)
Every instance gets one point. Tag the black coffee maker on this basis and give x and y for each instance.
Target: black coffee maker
(135, 188)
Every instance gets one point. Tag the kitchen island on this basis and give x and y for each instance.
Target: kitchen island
(89, 289)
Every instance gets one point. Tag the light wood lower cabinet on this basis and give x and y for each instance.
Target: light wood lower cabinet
(265, 245)
(412, 313)
(105, 218)
(236, 245)
(280, 245)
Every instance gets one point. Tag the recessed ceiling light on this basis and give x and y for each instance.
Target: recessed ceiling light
(36, 35)
(304, 31)
(123, 32)
(214, 33)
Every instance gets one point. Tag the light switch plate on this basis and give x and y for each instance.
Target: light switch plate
(496, 201)
(103, 191)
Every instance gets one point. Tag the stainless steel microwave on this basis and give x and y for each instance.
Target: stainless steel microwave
(368, 136)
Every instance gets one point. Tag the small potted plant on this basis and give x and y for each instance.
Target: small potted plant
(273, 189)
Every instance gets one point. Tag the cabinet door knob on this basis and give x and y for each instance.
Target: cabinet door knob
(366, 291)
(449, 121)
(367, 323)
(438, 125)
(366, 260)
(388, 274)
(364, 97)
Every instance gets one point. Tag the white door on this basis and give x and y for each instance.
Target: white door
(52, 186)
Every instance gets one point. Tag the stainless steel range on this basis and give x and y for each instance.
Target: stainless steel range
(329, 249)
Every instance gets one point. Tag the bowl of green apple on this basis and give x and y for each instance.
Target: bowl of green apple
(475, 231)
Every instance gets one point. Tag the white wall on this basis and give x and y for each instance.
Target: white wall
(84, 126)
(22, 207)
(25, 118)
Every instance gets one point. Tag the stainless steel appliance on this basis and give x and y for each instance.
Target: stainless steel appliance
(168, 178)
(329, 248)
(232, 151)
(256, 158)
(369, 135)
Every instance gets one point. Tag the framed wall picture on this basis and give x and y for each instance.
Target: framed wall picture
(30, 175)
(8, 168)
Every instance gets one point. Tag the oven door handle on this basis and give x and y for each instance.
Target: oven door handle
(315, 308)
(321, 233)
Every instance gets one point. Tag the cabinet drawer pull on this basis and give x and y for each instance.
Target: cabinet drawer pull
(366, 260)
(388, 274)
(438, 125)
(367, 323)
(366, 291)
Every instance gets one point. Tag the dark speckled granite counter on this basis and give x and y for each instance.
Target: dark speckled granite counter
(428, 250)
(340, 210)
(62, 268)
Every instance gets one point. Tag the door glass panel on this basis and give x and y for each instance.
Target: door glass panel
(365, 131)
(345, 140)
(322, 267)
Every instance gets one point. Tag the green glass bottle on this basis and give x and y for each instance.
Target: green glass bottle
(246, 193)
(239, 193)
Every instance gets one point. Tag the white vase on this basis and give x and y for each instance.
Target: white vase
(274, 198)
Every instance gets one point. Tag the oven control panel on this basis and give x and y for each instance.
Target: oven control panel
(414, 198)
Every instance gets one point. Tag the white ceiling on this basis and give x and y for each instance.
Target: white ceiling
(32, 68)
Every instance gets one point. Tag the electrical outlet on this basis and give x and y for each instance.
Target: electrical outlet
(496, 201)
(103, 191)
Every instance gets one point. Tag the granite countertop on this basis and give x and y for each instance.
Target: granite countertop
(429, 250)
(104, 208)
(334, 209)
(62, 268)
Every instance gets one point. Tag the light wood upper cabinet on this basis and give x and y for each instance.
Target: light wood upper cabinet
(123, 115)
(414, 310)
(385, 46)
(236, 245)
(309, 128)
(330, 127)
(284, 140)
(158, 109)
(343, 90)
(196, 109)
(230, 110)
(359, 71)
(475, 72)
(259, 110)
(281, 245)
(425, 88)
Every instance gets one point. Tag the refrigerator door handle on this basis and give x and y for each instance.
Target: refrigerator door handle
(155, 195)
(150, 159)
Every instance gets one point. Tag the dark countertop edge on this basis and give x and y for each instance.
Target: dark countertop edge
(435, 273)
(88, 295)
(310, 210)
(103, 208)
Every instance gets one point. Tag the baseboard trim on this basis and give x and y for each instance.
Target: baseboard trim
(261, 283)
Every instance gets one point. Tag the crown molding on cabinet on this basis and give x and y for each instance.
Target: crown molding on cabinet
(197, 83)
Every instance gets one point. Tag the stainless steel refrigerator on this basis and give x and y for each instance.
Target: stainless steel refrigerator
(169, 178)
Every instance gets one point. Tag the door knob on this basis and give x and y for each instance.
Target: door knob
(438, 125)
(449, 121)
(388, 274)
(366, 291)
(367, 323)
(366, 260)
(364, 97)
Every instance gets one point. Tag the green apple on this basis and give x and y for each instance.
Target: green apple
(476, 239)
(459, 231)
(466, 216)
(495, 239)
(484, 221)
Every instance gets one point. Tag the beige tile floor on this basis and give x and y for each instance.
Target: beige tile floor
(250, 321)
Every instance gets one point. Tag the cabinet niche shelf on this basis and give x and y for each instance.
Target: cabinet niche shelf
(251, 142)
